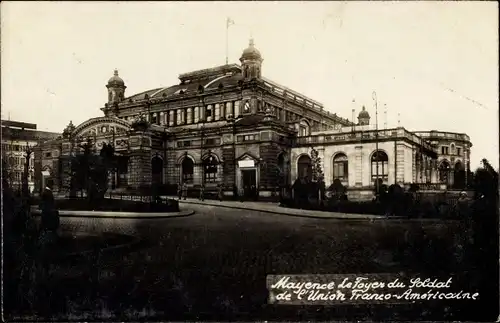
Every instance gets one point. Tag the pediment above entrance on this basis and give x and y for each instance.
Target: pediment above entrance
(248, 156)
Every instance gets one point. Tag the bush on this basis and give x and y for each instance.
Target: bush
(342, 206)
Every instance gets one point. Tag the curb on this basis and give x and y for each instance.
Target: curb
(118, 215)
(371, 218)
(361, 218)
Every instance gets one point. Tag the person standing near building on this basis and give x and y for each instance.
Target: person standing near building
(179, 190)
(220, 190)
(47, 206)
(202, 192)
(463, 212)
(184, 190)
(242, 193)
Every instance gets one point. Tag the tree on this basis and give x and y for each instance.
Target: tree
(317, 170)
(90, 173)
(486, 180)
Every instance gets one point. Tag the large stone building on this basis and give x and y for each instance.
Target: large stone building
(18, 139)
(231, 125)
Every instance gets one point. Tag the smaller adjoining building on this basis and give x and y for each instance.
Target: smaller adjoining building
(453, 151)
(358, 155)
(19, 138)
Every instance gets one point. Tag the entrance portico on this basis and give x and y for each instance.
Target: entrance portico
(247, 173)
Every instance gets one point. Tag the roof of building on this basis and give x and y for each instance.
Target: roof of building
(363, 113)
(115, 79)
(18, 124)
(208, 79)
(251, 52)
(27, 134)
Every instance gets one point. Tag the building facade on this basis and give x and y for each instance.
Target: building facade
(454, 151)
(18, 139)
(230, 125)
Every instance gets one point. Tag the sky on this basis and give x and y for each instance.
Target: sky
(433, 65)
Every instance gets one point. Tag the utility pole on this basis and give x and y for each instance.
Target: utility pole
(374, 97)
(229, 22)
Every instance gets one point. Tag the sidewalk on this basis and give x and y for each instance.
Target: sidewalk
(269, 207)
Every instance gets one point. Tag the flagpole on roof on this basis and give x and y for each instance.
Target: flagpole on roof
(229, 22)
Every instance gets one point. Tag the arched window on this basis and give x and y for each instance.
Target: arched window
(340, 170)
(187, 170)
(444, 170)
(210, 169)
(157, 170)
(304, 167)
(380, 166)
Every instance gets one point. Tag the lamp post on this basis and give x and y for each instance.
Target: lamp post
(374, 97)
(353, 120)
(235, 189)
(113, 172)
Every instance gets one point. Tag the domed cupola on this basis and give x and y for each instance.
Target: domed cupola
(363, 117)
(116, 88)
(251, 62)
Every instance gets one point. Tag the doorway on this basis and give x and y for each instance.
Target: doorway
(249, 181)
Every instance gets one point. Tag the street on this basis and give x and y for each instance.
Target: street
(213, 264)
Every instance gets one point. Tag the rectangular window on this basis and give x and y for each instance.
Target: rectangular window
(49, 154)
(179, 117)
(383, 170)
(209, 113)
(229, 109)
(185, 143)
(340, 170)
(444, 150)
(210, 141)
(210, 173)
(248, 138)
(217, 112)
(153, 118)
(223, 113)
(189, 115)
(196, 115)
(171, 118)
(459, 151)
(237, 111)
